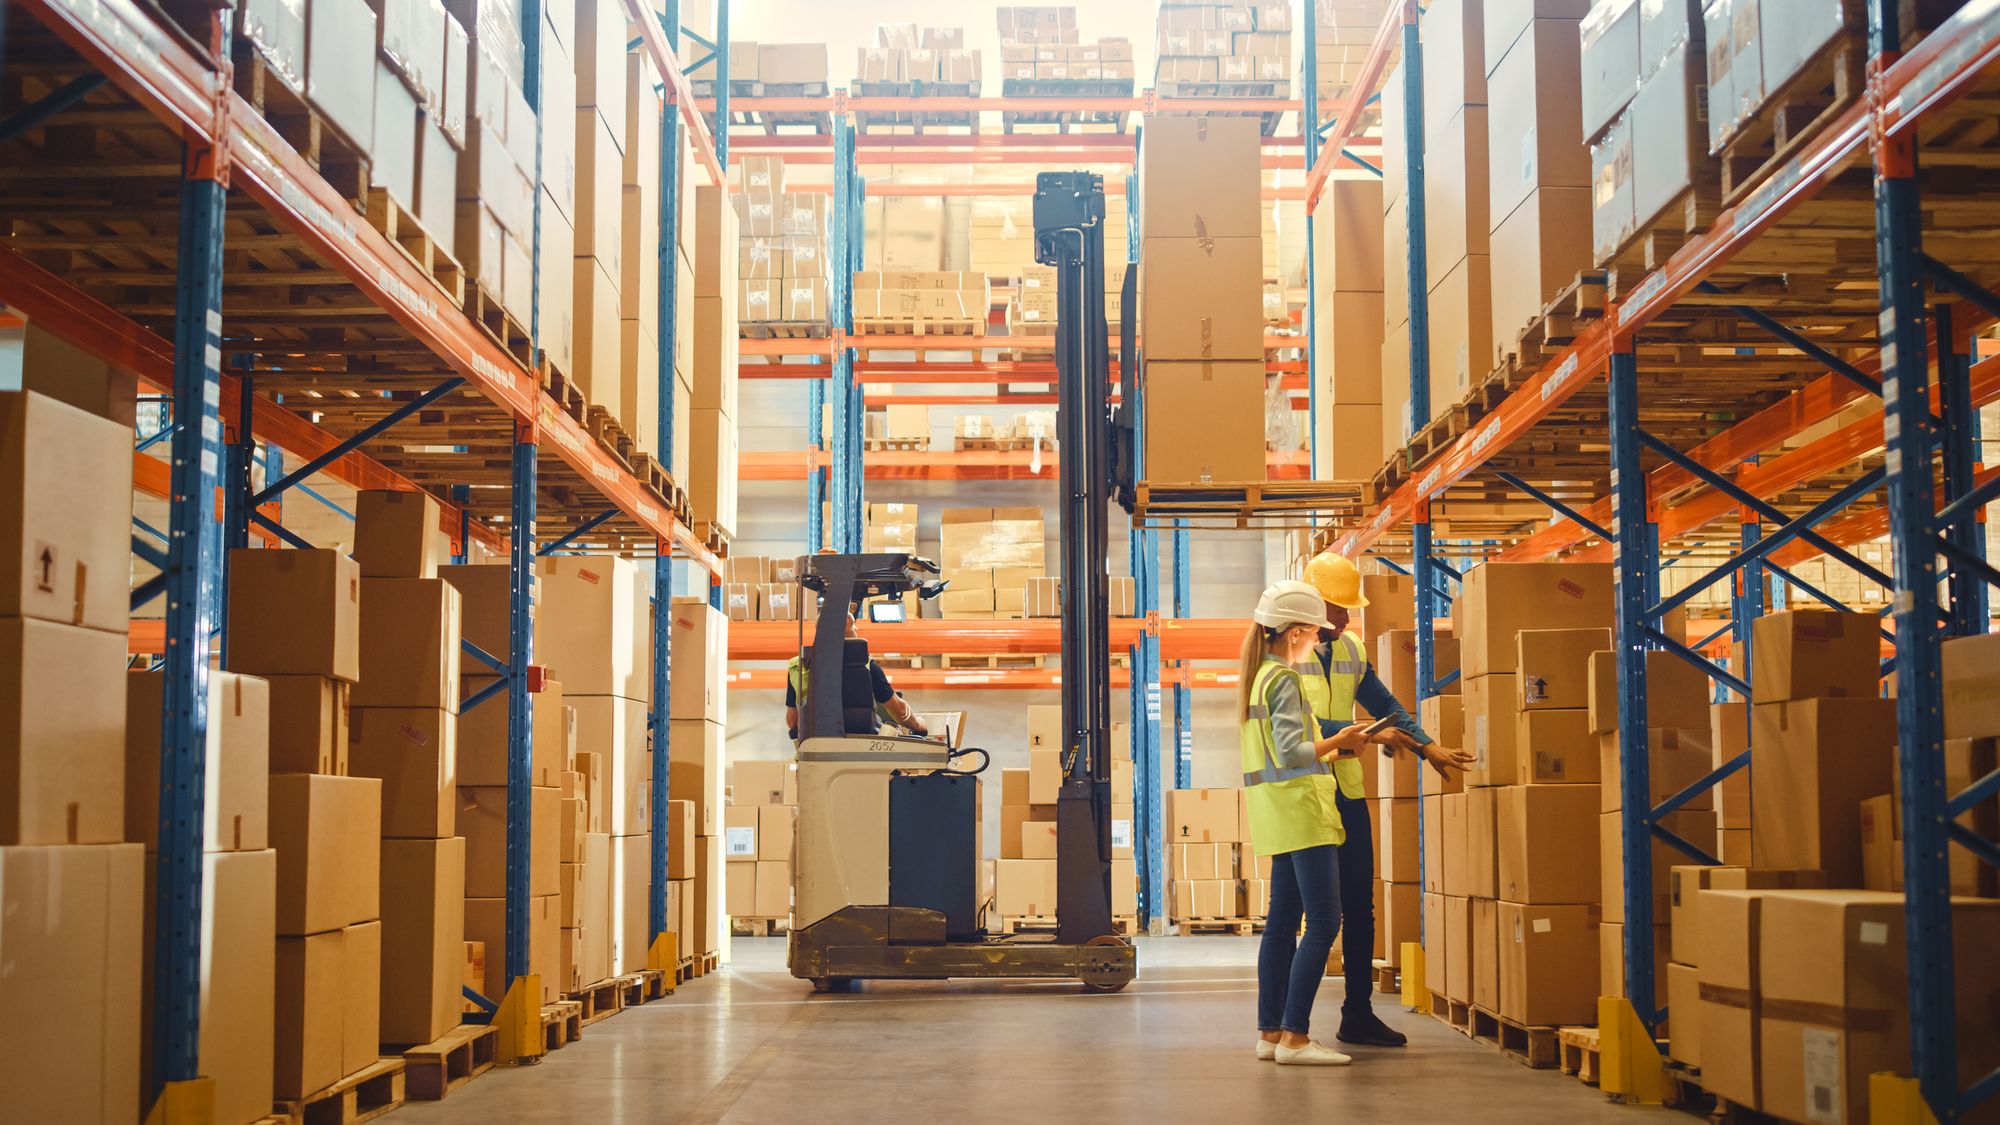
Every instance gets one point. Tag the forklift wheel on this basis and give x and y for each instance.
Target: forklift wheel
(1118, 985)
(833, 984)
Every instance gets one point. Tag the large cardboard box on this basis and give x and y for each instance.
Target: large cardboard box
(1349, 257)
(1024, 887)
(1486, 950)
(1548, 840)
(1501, 599)
(423, 931)
(1553, 747)
(1804, 653)
(1460, 216)
(1684, 995)
(414, 752)
(1675, 760)
(1554, 666)
(695, 772)
(593, 625)
(1396, 819)
(1548, 963)
(1611, 979)
(1461, 943)
(1677, 693)
(1454, 60)
(1482, 841)
(1205, 421)
(1461, 329)
(296, 612)
(1395, 654)
(1535, 121)
(482, 820)
(482, 735)
(1457, 855)
(409, 644)
(1436, 967)
(398, 535)
(1492, 714)
(1203, 816)
(318, 825)
(1433, 839)
(712, 493)
(711, 922)
(310, 1031)
(767, 782)
(236, 786)
(1816, 761)
(1729, 736)
(1729, 993)
(1199, 178)
(700, 637)
(1188, 322)
(1696, 826)
(629, 908)
(1971, 675)
(308, 727)
(239, 973)
(65, 513)
(616, 728)
(71, 939)
(486, 924)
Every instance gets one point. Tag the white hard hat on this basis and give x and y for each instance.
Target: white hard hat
(1291, 603)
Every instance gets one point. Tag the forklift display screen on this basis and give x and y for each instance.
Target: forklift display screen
(886, 612)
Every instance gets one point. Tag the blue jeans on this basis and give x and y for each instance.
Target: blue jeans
(1304, 883)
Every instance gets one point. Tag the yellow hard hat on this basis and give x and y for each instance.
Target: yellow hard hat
(1337, 579)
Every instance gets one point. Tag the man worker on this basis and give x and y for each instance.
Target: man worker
(1336, 679)
(889, 703)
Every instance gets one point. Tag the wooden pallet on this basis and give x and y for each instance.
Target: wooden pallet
(602, 1000)
(1530, 1045)
(711, 536)
(784, 329)
(610, 434)
(649, 985)
(1684, 1089)
(704, 964)
(324, 146)
(1689, 214)
(1556, 325)
(1456, 1013)
(896, 445)
(1579, 1054)
(1246, 504)
(366, 1094)
(991, 661)
(562, 1024)
(1387, 978)
(759, 927)
(1240, 927)
(811, 120)
(655, 479)
(978, 444)
(915, 119)
(1028, 89)
(403, 230)
(455, 1058)
(486, 311)
(1267, 89)
(883, 326)
(1793, 115)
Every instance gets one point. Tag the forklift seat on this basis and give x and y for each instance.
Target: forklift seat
(857, 690)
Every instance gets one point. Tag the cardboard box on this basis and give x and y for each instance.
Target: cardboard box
(1457, 854)
(1044, 776)
(235, 796)
(1697, 827)
(1189, 323)
(482, 820)
(1461, 945)
(1548, 844)
(1676, 759)
(295, 612)
(1499, 600)
(768, 782)
(1729, 736)
(592, 627)
(1199, 176)
(1677, 693)
(409, 644)
(700, 634)
(1554, 666)
(1433, 840)
(1971, 687)
(1397, 820)
(72, 935)
(1482, 841)
(65, 553)
(1203, 816)
(1454, 59)
(1460, 211)
(1024, 887)
(1816, 761)
(739, 833)
(1729, 991)
(482, 735)
(318, 824)
(1016, 821)
(1436, 947)
(774, 889)
(414, 752)
(340, 47)
(1834, 1002)
(1553, 747)
(239, 892)
(1804, 653)
(398, 535)
(1684, 995)
(423, 932)
(1548, 963)
(1227, 444)
(486, 923)
(695, 772)
(1613, 216)
(1443, 718)
(1491, 712)
(308, 724)
(310, 1022)
(1535, 121)
(1038, 840)
(1611, 979)
(1395, 662)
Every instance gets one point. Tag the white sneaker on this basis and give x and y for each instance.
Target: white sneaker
(1266, 1050)
(1313, 1053)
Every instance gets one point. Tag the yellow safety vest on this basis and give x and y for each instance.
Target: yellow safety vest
(1331, 698)
(795, 677)
(1291, 805)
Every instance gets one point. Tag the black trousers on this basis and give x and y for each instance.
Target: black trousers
(1357, 903)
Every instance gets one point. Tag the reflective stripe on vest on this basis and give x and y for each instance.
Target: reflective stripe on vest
(1290, 807)
(1329, 690)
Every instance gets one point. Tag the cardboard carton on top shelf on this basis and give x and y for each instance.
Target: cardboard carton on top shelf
(409, 644)
(66, 513)
(340, 47)
(236, 796)
(398, 535)
(1200, 178)
(295, 612)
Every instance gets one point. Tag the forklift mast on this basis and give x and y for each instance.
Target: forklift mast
(1069, 235)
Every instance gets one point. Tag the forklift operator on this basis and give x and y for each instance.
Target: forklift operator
(889, 703)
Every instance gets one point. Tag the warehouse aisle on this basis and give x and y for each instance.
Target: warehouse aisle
(750, 1045)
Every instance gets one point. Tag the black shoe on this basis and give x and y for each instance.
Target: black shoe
(1368, 1031)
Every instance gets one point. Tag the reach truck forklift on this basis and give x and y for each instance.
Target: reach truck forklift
(887, 863)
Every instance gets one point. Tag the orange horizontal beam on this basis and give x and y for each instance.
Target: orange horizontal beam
(949, 464)
(998, 679)
(825, 345)
(154, 477)
(145, 635)
(840, 101)
(1189, 639)
(998, 371)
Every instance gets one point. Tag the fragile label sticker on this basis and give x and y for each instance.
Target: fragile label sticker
(1570, 588)
(589, 576)
(414, 736)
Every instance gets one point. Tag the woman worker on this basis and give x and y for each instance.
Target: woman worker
(1293, 819)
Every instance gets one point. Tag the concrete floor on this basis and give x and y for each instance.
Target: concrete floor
(752, 1044)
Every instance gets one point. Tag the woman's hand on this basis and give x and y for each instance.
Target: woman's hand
(1345, 743)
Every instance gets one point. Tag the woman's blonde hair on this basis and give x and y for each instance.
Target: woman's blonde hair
(1256, 646)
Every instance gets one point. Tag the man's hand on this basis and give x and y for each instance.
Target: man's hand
(918, 728)
(1444, 759)
(1395, 740)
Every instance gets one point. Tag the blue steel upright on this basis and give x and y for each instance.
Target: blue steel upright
(1424, 569)
(1906, 432)
(1183, 693)
(658, 719)
(1632, 587)
(848, 422)
(1413, 212)
(1309, 135)
(194, 598)
(1960, 440)
(520, 707)
(1147, 838)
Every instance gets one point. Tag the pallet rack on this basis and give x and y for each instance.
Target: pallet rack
(235, 373)
(1851, 330)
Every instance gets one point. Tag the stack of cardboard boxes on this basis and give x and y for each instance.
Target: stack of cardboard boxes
(1969, 754)
(988, 555)
(296, 618)
(1216, 873)
(1201, 273)
(700, 639)
(906, 55)
(757, 837)
(901, 426)
(1034, 310)
(1024, 877)
(886, 299)
(1343, 31)
(1350, 280)
(1234, 44)
(1456, 200)
(1040, 44)
(705, 452)
(496, 168)
(1538, 182)
(75, 895)
(782, 250)
(891, 527)
(757, 588)
(794, 69)
(1651, 115)
(404, 731)
(1393, 782)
